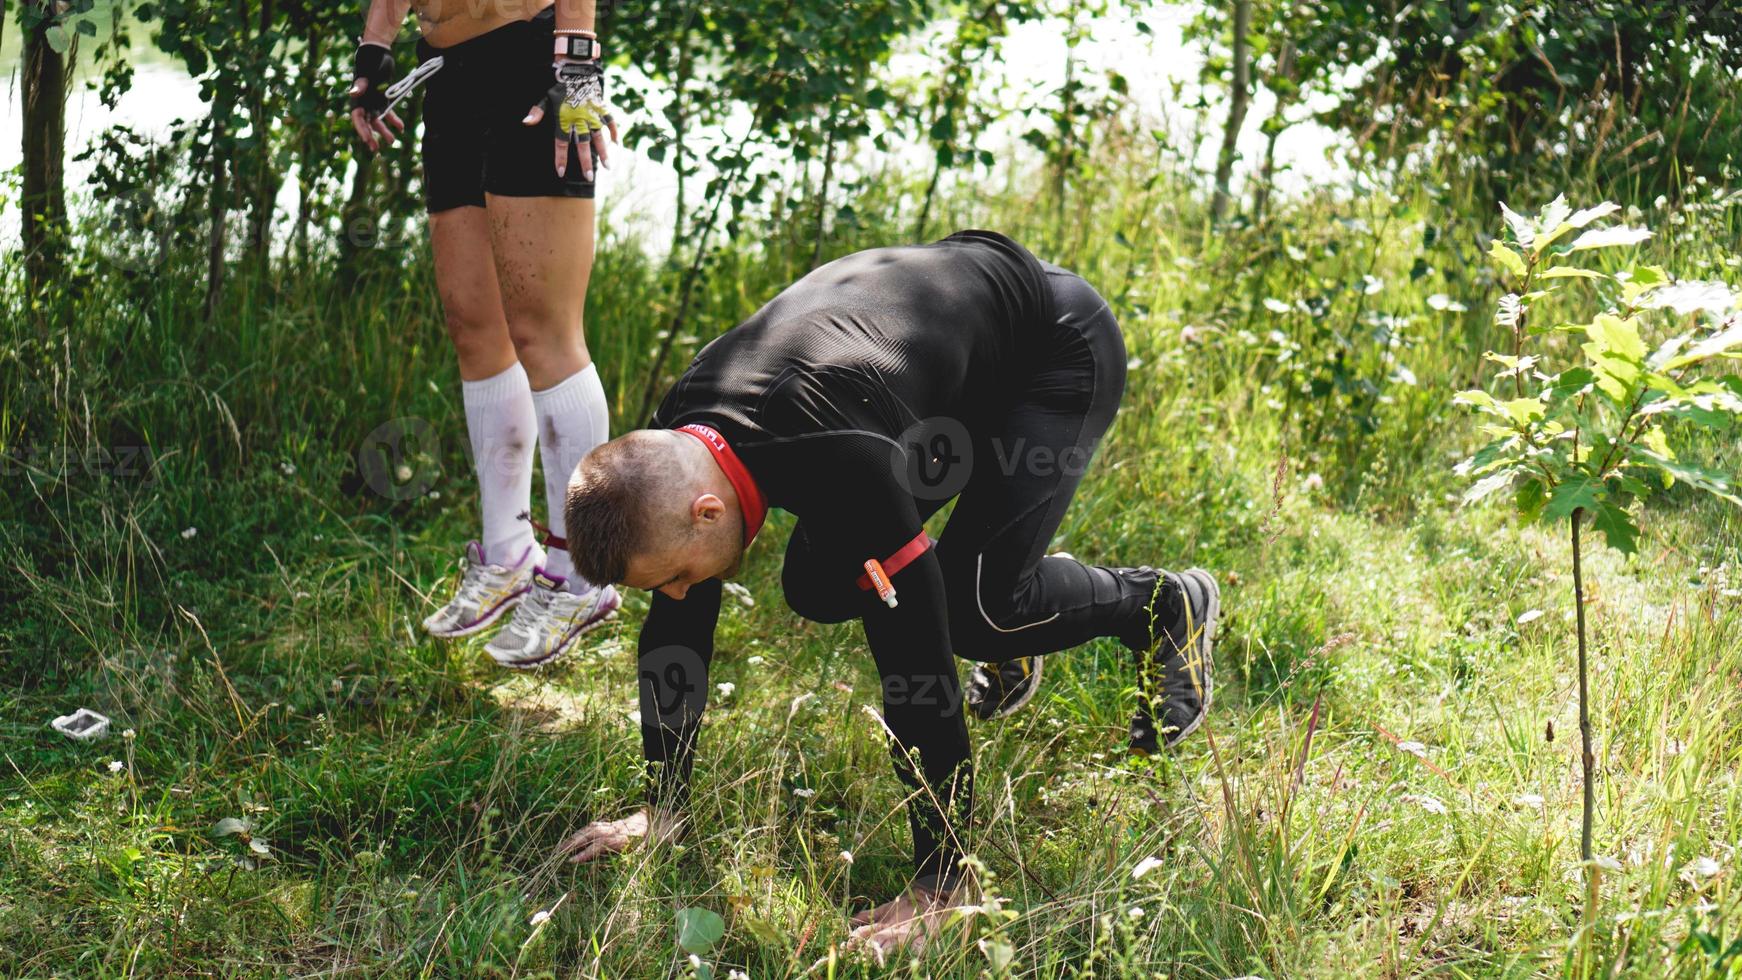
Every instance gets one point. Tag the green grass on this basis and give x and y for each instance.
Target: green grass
(1375, 793)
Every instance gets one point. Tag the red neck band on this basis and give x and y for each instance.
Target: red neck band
(750, 498)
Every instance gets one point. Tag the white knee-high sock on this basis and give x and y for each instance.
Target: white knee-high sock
(500, 420)
(573, 417)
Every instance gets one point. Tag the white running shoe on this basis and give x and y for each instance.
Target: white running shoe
(547, 623)
(486, 591)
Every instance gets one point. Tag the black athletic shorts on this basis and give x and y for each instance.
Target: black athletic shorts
(473, 140)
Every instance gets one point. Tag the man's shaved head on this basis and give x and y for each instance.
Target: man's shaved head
(648, 503)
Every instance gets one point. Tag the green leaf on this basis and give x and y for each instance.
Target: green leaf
(1615, 376)
(1569, 272)
(1522, 411)
(1617, 336)
(1718, 343)
(1473, 396)
(1585, 216)
(1550, 221)
(1507, 259)
(57, 38)
(699, 929)
(1618, 529)
(1608, 238)
(1496, 453)
(1490, 485)
(999, 954)
(228, 826)
(1523, 229)
(1580, 491)
(1569, 384)
(1713, 482)
(1575, 221)
(1530, 498)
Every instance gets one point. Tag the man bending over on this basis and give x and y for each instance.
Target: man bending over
(861, 399)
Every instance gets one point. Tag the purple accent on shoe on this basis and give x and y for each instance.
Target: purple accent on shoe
(475, 553)
(604, 611)
(555, 583)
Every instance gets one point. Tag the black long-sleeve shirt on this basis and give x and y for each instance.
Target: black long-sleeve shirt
(815, 392)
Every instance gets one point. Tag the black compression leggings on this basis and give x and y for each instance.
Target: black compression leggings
(1005, 598)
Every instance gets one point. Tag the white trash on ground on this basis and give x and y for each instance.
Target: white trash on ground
(82, 725)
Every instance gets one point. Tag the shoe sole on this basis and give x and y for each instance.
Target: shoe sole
(1209, 638)
(596, 621)
(485, 623)
(1017, 705)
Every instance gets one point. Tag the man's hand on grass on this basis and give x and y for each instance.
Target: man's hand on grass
(602, 837)
(909, 922)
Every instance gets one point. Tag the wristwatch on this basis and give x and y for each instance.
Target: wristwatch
(578, 47)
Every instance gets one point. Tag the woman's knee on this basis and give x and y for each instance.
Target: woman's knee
(478, 335)
(550, 348)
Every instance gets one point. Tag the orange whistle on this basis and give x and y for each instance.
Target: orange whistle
(880, 582)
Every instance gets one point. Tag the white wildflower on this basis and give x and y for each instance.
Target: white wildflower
(1530, 800)
(846, 857)
(1134, 364)
(1371, 284)
(803, 792)
(287, 468)
(129, 734)
(1276, 305)
(1529, 616)
(1413, 748)
(188, 533)
(1145, 866)
(742, 594)
(634, 717)
(403, 473)
(116, 765)
(725, 688)
(757, 660)
(1703, 867)
(1134, 912)
(1428, 803)
(1313, 482)
(539, 918)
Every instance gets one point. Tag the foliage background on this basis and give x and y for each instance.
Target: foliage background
(188, 377)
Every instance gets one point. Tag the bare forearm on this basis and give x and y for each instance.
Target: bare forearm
(385, 17)
(576, 14)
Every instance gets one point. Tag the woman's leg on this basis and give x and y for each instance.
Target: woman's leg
(498, 399)
(543, 250)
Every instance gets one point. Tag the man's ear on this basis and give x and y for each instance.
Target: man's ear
(707, 509)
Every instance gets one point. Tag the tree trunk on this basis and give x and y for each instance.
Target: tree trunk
(823, 192)
(1273, 129)
(45, 132)
(218, 207)
(359, 227)
(680, 131)
(1239, 98)
(1587, 756)
(309, 140)
(931, 190)
(264, 187)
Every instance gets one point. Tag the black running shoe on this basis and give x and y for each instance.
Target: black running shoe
(1174, 660)
(996, 690)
